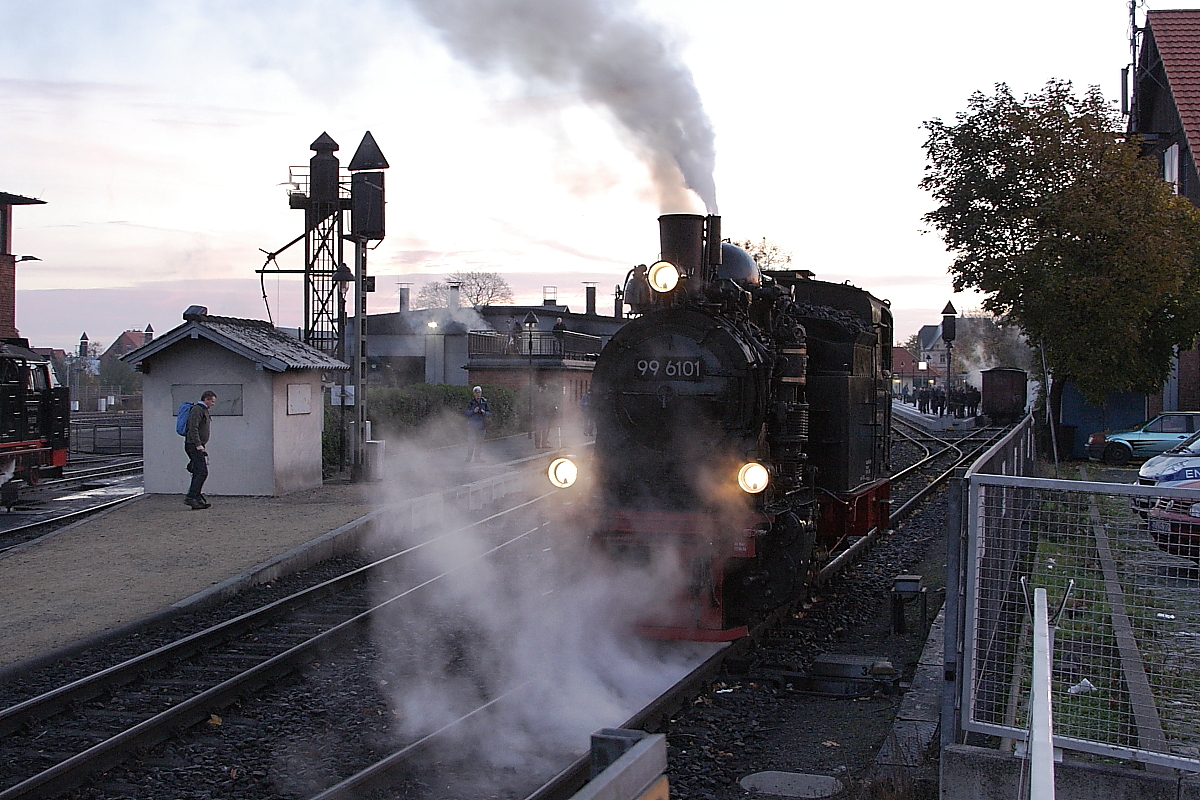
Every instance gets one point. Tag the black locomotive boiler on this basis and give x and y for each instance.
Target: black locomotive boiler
(742, 423)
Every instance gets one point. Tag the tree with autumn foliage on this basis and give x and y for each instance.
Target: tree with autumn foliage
(1072, 235)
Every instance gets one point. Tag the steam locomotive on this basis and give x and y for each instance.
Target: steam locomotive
(34, 418)
(742, 425)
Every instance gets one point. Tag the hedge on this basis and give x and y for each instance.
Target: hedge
(432, 413)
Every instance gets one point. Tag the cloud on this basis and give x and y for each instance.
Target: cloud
(552, 244)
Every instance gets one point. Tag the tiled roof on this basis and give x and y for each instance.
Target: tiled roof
(1177, 35)
(254, 339)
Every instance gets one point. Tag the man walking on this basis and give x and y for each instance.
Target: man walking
(194, 444)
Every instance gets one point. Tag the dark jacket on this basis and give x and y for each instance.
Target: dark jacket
(197, 425)
(477, 413)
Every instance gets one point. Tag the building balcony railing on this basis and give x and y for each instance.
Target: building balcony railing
(564, 344)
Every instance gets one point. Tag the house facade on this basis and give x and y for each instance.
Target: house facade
(1165, 113)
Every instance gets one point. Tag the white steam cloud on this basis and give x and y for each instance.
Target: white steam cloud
(609, 54)
(542, 613)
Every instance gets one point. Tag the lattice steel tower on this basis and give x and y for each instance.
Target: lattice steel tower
(322, 205)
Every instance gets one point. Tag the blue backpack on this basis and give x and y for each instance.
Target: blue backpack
(181, 417)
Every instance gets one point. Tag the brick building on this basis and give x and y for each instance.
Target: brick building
(8, 263)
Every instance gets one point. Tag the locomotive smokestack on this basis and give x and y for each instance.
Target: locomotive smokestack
(681, 241)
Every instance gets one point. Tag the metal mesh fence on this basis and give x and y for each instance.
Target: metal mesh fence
(106, 438)
(1126, 652)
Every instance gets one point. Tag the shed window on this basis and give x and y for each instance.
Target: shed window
(299, 398)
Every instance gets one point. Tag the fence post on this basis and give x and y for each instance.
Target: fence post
(955, 599)
(1041, 724)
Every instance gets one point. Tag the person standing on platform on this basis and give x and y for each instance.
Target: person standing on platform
(560, 336)
(194, 444)
(545, 410)
(477, 413)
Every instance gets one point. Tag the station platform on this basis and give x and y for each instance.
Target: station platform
(154, 556)
(931, 422)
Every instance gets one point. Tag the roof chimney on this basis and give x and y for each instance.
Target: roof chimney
(149, 333)
(453, 288)
(403, 293)
(549, 295)
(589, 290)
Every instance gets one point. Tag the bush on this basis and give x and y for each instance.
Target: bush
(434, 412)
(429, 413)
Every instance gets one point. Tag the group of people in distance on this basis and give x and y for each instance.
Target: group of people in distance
(959, 403)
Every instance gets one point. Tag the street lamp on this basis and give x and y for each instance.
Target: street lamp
(531, 322)
(948, 325)
(343, 277)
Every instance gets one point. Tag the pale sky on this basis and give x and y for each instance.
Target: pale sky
(160, 131)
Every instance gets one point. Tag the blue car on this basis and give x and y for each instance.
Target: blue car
(1164, 432)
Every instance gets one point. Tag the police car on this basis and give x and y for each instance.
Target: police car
(1179, 464)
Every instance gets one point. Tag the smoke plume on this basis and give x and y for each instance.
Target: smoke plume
(612, 57)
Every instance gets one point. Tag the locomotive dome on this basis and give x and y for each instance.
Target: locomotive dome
(738, 265)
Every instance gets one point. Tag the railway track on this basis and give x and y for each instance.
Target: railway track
(48, 492)
(67, 736)
(55, 740)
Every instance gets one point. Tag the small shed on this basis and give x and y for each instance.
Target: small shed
(269, 414)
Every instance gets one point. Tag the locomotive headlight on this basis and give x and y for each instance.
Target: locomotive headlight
(753, 477)
(663, 276)
(562, 472)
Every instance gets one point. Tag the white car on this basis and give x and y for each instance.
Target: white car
(1180, 463)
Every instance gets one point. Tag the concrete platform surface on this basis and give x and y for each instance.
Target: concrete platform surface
(139, 558)
(931, 422)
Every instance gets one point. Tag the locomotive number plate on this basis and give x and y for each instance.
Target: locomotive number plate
(671, 369)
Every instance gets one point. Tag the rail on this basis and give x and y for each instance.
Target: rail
(1015, 454)
(564, 344)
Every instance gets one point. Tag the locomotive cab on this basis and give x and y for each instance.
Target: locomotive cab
(34, 415)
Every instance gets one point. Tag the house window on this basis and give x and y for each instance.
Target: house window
(1171, 166)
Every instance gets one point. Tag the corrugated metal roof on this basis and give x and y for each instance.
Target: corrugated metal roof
(254, 339)
(1177, 36)
(7, 199)
(262, 337)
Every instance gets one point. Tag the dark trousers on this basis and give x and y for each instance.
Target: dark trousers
(198, 466)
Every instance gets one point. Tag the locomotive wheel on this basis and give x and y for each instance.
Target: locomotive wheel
(1117, 455)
